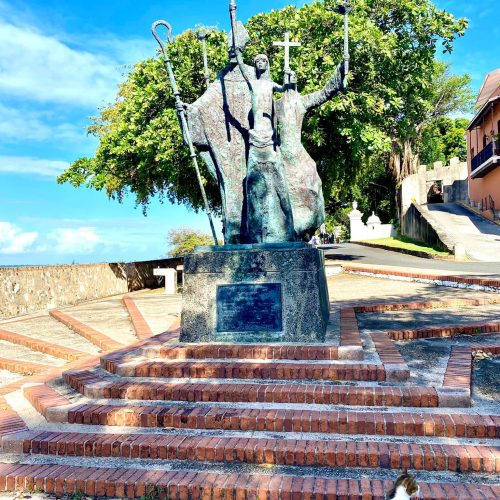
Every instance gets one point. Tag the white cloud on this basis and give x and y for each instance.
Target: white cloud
(30, 165)
(13, 240)
(124, 51)
(20, 124)
(82, 240)
(44, 69)
(121, 233)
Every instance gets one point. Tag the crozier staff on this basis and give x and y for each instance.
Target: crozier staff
(181, 112)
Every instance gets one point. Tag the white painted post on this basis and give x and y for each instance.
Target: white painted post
(170, 276)
(358, 228)
(459, 251)
(180, 268)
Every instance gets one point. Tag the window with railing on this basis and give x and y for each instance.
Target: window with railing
(482, 156)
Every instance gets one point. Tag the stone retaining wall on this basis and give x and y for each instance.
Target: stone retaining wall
(25, 290)
(415, 225)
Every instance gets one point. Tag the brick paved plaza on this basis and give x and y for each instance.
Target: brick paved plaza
(101, 399)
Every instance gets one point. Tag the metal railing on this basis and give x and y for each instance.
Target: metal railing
(483, 156)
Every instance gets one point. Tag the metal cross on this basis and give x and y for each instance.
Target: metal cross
(287, 44)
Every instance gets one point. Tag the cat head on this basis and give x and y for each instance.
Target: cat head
(404, 483)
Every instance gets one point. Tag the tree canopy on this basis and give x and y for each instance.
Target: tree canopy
(184, 240)
(443, 138)
(391, 93)
(447, 94)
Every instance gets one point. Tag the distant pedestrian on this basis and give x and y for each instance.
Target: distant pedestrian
(315, 241)
(322, 234)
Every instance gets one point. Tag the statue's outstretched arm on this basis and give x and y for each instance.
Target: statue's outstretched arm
(334, 85)
(239, 57)
(278, 88)
(243, 69)
(286, 79)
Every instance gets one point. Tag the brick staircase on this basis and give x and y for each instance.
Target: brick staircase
(160, 419)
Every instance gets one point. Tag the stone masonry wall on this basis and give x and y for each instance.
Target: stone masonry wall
(25, 290)
(453, 177)
(415, 225)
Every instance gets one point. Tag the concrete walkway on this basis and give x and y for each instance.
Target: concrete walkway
(480, 237)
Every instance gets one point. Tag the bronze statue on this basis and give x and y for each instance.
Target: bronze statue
(270, 189)
(304, 183)
(269, 214)
(219, 126)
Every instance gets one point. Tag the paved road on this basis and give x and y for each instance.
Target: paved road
(350, 252)
(480, 237)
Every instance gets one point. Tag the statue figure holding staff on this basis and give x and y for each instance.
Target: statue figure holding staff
(269, 213)
(218, 123)
(304, 183)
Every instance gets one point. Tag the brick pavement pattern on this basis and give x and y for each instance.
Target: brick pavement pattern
(247, 421)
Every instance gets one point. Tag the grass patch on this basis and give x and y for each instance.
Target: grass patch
(408, 244)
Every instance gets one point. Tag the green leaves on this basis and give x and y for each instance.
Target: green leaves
(391, 92)
(443, 138)
(185, 240)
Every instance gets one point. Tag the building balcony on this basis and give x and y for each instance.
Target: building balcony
(486, 160)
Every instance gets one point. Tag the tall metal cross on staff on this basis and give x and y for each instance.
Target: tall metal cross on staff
(202, 35)
(344, 10)
(287, 44)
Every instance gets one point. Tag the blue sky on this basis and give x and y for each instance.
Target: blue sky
(61, 61)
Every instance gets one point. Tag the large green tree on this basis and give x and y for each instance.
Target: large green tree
(184, 240)
(393, 49)
(443, 138)
(419, 122)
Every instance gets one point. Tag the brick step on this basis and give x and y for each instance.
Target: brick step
(320, 352)
(282, 420)
(445, 331)
(428, 304)
(438, 279)
(298, 452)
(10, 421)
(273, 370)
(141, 327)
(94, 386)
(22, 367)
(38, 345)
(97, 338)
(183, 484)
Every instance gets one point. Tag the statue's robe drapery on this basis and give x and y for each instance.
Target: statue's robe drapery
(269, 213)
(219, 123)
(304, 183)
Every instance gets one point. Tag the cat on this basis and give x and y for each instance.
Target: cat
(404, 488)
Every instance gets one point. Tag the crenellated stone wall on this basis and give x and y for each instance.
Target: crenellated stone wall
(452, 178)
(25, 290)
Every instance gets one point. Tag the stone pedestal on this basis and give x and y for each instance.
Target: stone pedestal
(255, 293)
